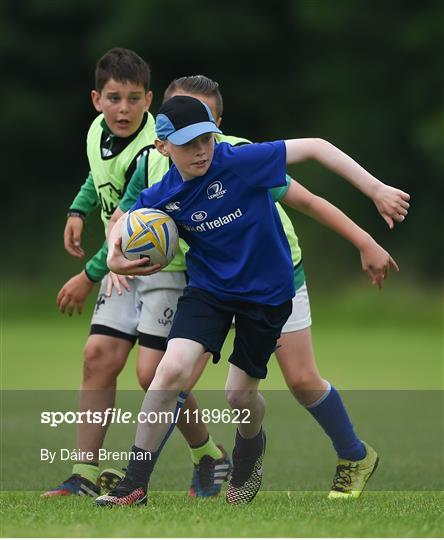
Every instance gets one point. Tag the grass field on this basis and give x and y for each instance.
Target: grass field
(363, 338)
(283, 514)
(383, 350)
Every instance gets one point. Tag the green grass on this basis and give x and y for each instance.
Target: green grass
(281, 514)
(389, 344)
(351, 356)
(363, 338)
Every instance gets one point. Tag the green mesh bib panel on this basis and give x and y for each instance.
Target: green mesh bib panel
(109, 173)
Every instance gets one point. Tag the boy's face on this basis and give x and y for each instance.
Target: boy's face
(123, 106)
(210, 102)
(193, 158)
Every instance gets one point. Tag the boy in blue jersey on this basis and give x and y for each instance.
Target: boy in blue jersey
(239, 265)
(294, 353)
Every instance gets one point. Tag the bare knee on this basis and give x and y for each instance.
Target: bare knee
(145, 376)
(305, 380)
(241, 399)
(172, 373)
(102, 360)
(147, 361)
(178, 362)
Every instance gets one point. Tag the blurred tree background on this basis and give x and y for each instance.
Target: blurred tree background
(365, 75)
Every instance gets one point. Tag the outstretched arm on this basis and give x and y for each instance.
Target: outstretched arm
(392, 203)
(376, 262)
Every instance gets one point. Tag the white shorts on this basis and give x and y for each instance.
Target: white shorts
(300, 317)
(148, 308)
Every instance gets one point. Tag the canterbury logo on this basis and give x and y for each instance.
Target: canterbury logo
(216, 190)
(172, 206)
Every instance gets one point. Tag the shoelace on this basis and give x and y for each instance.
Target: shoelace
(343, 479)
(204, 470)
(242, 468)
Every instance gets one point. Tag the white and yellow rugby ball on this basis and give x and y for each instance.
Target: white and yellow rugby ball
(148, 232)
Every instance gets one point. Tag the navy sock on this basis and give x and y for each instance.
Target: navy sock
(141, 466)
(250, 447)
(330, 413)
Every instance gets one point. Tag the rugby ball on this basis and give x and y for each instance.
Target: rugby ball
(148, 232)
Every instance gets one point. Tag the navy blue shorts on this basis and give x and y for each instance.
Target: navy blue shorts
(202, 317)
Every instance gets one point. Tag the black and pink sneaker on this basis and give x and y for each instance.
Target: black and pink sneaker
(126, 493)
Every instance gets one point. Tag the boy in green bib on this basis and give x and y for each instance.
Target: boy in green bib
(119, 138)
(121, 133)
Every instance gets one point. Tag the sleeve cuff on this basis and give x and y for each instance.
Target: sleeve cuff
(77, 213)
(90, 277)
(278, 193)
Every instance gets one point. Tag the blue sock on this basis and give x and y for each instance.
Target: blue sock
(330, 413)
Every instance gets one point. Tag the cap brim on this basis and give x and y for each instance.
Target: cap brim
(188, 133)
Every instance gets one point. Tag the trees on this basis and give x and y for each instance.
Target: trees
(366, 75)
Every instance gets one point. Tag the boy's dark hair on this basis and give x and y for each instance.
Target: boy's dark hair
(122, 65)
(196, 84)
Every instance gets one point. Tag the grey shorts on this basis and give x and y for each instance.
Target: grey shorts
(146, 310)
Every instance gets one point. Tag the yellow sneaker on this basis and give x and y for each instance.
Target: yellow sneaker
(351, 476)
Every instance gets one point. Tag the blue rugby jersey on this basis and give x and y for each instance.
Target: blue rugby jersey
(238, 248)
